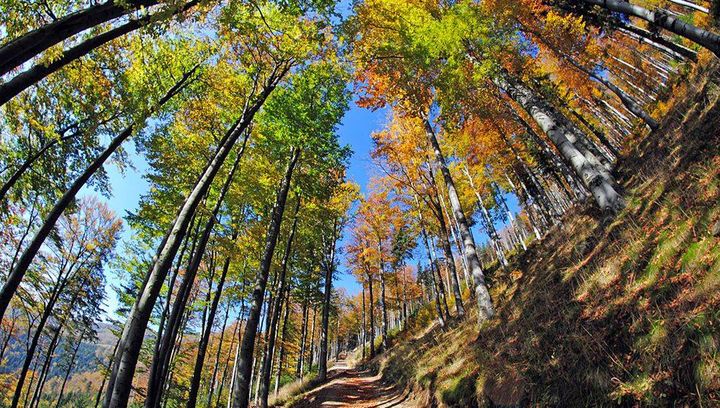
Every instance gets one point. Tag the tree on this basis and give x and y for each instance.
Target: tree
(24, 261)
(74, 261)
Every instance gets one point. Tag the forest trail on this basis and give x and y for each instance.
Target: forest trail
(354, 387)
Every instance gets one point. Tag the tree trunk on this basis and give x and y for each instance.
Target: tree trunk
(171, 285)
(662, 19)
(71, 364)
(489, 226)
(303, 336)
(364, 330)
(283, 337)
(237, 332)
(47, 312)
(21, 267)
(22, 49)
(432, 268)
(38, 72)
(213, 378)
(441, 285)
(630, 104)
(202, 346)
(98, 396)
(161, 359)
(485, 306)
(372, 316)
(6, 341)
(133, 333)
(383, 302)
(10, 182)
(603, 191)
(37, 394)
(270, 349)
(311, 360)
(447, 244)
(329, 269)
(241, 392)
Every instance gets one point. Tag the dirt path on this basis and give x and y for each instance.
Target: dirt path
(350, 387)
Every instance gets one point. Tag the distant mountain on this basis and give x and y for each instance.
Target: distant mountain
(89, 355)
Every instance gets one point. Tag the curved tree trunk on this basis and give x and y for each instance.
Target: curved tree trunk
(202, 346)
(10, 182)
(20, 50)
(47, 312)
(26, 79)
(161, 359)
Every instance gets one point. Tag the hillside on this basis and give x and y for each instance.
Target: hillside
(596, 315)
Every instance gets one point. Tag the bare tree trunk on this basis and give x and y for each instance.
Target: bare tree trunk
(10, 182)
(283, 337)
(204, 340)
(71, 365)
(432, 270)
(213, 378)
(237, 332)
(161, 359)
(662, 19)
(46, 314)
(37, 394)
(605, 195)
(455, 279)
(6, 341)
(364, 331)
(372, 317)
(38, 72)
(303, 336)
(482, 295)
(383, 302)
(20, 50)
(312, 339)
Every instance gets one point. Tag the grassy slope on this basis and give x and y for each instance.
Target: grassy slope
(599, 315)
